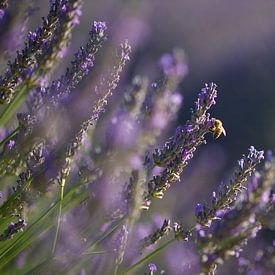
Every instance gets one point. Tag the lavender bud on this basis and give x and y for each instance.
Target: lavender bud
(12, 229)
(152, 268)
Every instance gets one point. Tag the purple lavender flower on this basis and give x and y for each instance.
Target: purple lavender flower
(99, 28)
(185, 136)
(59, 89)
(32, 36)
(12, 229)
(81, 65)
(227, 195)
(152, 268)
(41, 50)
(10, 143)
(106, 90)
(180, 148)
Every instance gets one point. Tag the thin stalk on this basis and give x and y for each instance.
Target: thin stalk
(79, 261)
(33, 231)
(116, 269)
(95, 253)
(148, 257)
(104, 235)
(59, 217)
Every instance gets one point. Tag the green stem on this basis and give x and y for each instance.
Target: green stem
(8, 112)
(148, 257)
(95, 253)
(9, 136)
(59, 217)
(116, 269)
(104, 235)
(34, 230)
(79, 261)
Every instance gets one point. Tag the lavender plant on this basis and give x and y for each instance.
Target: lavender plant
(82, 170)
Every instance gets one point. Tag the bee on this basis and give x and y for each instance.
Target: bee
(217, 128)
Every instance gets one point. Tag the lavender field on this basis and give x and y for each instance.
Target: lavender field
(137, 137)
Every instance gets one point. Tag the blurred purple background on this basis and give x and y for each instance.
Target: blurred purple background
(229, 42)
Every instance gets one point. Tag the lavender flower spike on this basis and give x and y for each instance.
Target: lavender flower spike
(180, 148)
(83, 63)
(226, 197)
(41, 50)
(80, 66)
(106, 89)
(184, 135)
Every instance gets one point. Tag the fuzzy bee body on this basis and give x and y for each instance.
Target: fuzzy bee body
(217, 129)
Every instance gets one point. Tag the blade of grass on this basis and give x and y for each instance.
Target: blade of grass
(78, 262)
(148, 257)
(104, 235)
(31, 233)
(59, 217)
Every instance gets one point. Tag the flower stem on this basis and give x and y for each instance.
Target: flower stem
(59, 217)
(149, 256)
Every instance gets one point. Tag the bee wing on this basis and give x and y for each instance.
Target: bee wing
(223, 131)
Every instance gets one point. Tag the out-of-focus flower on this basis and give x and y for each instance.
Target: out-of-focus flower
(152, 268)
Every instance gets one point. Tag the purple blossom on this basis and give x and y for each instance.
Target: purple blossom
(198, 208)
(179, 149)
(12, 229)
(41, 51)
(125, 52)
(185, 135)
(154, 85)
(225, 198)
(152, 267)
(32, 36)
(99, 27)
(86, 65)
(10, 143)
